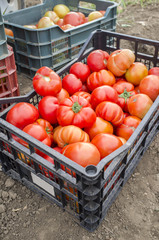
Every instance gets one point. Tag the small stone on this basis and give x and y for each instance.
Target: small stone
(12, 194)
(2, 208)
(9, 183)
(6, 232)
(4, 195)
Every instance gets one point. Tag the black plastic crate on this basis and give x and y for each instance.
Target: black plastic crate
(52, 46)
(86, 193)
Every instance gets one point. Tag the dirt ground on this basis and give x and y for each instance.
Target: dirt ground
(135, 213)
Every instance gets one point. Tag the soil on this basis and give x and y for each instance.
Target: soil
(135, 213)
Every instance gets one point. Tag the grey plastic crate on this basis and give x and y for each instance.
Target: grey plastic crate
(3, 40)
(52, 46)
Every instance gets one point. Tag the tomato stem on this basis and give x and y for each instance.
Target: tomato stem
(76, 107)
(125, 95)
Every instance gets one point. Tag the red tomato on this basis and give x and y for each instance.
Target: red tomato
(46, 82)
(100, 126)
(85, 95)
(139, 105)
(106, 143)
(154, 71)
(85, 88)
(44, 171)
(82, 153)
(22, 114)
(62, 95)
(97, 79)
(103, 93)
(121, 85)
(47, 126)
(37, 132)
(123, 99)
(76, 111)
(72, 18)
(82, 17)
(111, 112)
(71, 83)
(150, 86)
(97, 60)
(81, 71)
(128, 126)
(48, 108)
(123, 140)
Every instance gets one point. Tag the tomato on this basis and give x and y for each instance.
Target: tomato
(123, 99)
(60, 22)
(123, 140)
(48, 108)
(47, 126)
(82, 153)
(22, 114)
(69, 134)
(106, 143)
(97, 79)
(66, 26)
(72, 18)
(38, 132)
(100, 126)
(82, 17)
(8, 32)
(103, 93)
(150, 86)
(154, 71)
(62, 95)
(77, 111)
(121, 85)
(128, 126)
(97, 60)
(71, 83)
(46, 82)
(111, 112)
(81, 71)
(136, 72)
(139, 105)
(119, 61)
(85, 95)
(85, 88)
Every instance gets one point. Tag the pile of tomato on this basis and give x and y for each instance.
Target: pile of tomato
(93, 110)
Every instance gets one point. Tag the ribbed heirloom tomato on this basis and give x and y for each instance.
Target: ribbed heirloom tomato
(76, 111)
(97, 79)
(111, 112)
(81, 71)
(97, 60)
(47, 126)
(46, 82)
(69, 134)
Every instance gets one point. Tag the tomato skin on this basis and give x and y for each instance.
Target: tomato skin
(82, 153)
(77, 111)
(72, 18)
(119, 61)
(150, 86)
(38, 132)
(121, 85)
(123, 99)
(111, 112)
(97, 79)
(22, 114)
(48, 107)
(47, 126)
(139, 105)
(97, 60)
(154, 71)
(100, 126)
(85, 95)
(62, 95)
(46, 82)
(103, 93)
(106, 143)
(69, 134)
(81, 71)
(128, 126)
(136, 72)
(71, 83)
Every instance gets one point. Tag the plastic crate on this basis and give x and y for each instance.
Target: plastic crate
(3, 39)
(86, 193)
(9, 86)
(52, 46)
